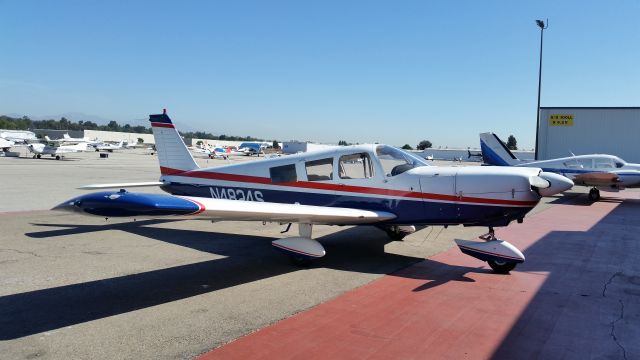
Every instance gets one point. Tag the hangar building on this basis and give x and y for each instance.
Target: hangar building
(589, 130)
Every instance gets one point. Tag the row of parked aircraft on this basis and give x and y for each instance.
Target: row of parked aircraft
(55, 148)
(375, 184)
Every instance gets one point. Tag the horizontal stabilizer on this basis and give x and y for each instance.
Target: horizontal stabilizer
(120, 185)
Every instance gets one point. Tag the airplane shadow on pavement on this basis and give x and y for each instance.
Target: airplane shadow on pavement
(246, 259)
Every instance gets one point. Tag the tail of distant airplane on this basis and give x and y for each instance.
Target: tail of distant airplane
(173, 154)
(495, 152)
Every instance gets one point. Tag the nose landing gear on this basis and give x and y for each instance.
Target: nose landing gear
(594, 194)
(501, 256)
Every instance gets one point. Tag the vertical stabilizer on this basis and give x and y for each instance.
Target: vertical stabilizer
(495, 152)
(173, 154)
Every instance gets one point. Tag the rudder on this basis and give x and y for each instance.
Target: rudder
(495, 152)
(173, 155)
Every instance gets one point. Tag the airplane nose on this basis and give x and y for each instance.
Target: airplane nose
(68, 206)
(557, 183)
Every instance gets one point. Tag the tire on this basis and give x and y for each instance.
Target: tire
(501, 267)
(33, 157)
(300, 261)
(38, 156)
(57, 157)
(594, 194)
(395, 235)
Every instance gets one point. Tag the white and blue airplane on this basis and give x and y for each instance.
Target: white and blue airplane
(364, 184)
(598, 171)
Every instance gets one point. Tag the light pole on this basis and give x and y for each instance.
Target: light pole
(542, 26)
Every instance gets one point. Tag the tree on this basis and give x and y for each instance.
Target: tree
(140, 140)
(199, 143)
(424, 144)
(512, 143)
(275, 144)
(343, 143)
(407, 147)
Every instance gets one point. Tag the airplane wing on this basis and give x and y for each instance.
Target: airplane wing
(596, 179)
(131, 204)
(120, 185)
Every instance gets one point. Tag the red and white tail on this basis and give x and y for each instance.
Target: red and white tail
(173, 155)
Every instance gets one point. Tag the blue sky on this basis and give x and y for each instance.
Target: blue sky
(364, 71)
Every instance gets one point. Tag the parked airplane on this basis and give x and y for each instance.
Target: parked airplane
(250, 148)
(109, 147)
(362, 184)
(66, 139)
(18, 136)
(600, 172)
(54, 149)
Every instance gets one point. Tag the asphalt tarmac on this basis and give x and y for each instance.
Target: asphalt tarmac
(74, 286)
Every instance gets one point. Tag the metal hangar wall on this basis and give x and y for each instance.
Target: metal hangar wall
(589, 130)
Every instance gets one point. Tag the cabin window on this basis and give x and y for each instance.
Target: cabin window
(573, 164)
(319, 170)
(285, 173)
(355, 166)
(603, 163)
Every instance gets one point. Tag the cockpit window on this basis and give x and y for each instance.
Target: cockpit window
(395, 161)
(603, 163)
(619, 164)
(355, 166)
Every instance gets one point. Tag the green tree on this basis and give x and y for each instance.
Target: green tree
(512, 143)
(343, 143)
(275, 144)
(424, 144)
(407, 147)
(140, 140)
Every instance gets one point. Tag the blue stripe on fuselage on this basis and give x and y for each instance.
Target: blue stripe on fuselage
(413, 212)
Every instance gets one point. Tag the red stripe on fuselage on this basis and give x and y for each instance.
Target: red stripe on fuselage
(157, 124)
(344, 188)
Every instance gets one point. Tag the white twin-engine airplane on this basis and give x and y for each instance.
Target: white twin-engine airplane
(351, 185)
(598, 171)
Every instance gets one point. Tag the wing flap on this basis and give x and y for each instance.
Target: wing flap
(222, 209)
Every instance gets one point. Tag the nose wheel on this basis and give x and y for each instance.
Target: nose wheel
(501, 256)
(594, 194)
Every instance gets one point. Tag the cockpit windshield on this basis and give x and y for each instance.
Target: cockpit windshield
(619, 162)
(395, 161)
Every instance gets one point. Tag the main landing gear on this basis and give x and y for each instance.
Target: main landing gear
(398, 232)
(594, 194)
(301, 249)
(501, 256)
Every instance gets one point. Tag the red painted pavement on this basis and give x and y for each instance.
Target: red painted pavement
(452, 306)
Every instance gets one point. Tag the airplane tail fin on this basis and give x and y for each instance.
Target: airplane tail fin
(66, 136)
(173, 155)
(46, 137)
(495, 152)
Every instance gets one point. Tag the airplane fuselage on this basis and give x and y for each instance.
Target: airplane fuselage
(420, 195)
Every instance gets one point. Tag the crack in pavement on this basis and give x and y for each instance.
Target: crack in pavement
(613, 330)
(612, 333)
(604, 290)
